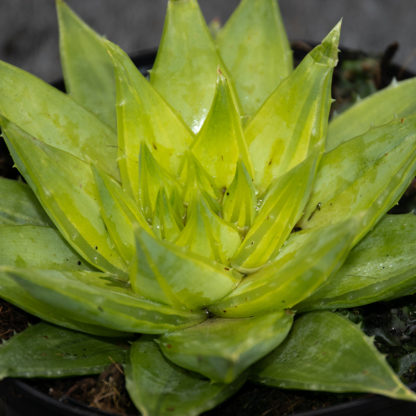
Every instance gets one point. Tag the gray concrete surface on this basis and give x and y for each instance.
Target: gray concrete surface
(29, 34)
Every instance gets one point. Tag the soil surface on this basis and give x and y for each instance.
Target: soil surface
(392, 323)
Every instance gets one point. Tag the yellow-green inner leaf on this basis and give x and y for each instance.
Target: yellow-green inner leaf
(293, 121)
(185, 68)
(255, 49)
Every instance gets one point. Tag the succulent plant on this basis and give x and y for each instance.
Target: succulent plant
(203, 227)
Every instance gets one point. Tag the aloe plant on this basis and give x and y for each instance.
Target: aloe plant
(201, 228)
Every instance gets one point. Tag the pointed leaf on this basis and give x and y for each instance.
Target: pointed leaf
(144, 117)
(221, 143)
(325, 351)
(37, 247)
(65, 187)
(187, 77)
(302, 266)
(282, 207)
(145, 277)
(255, 49)
(345, 165)
(194, 177)
(240, 202)
(55, 119)
(14, 293)
(43, 350)
(180, 276)
(206, 234)
(99, 299)
(382, 266)
(166, 222)
(370, 183)
(88, 70)
(293, 121)
(152, 177)
(396, 101)
(119, 213)
(159, 388)
(111, 193)
(18, 205)
(222, 349)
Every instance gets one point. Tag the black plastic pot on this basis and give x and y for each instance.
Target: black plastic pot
(20, 398)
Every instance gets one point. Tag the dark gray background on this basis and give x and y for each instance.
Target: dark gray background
(29, 34)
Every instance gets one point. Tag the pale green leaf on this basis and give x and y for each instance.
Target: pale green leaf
(303, 265)
(185, 69)
(346, 164)
(152, 177)
(43, 350)
(396, 101)
(193, 177)
(115, 218)
(14, 293)
(281, 209)
(144, 117)
(166, 222)
(100, 299)
(160, 388)
(325, 351)
(111, 193)
(65, 186)
(119, 212)
(366, 174)
(18, 205)
(206, 234)
(382, 266)
(293, 120)
(220, 142)
(169, 274)
(255, 49)
(56, 119)
(222, 349)
(37, 247)
(87, 68)
(240, 202)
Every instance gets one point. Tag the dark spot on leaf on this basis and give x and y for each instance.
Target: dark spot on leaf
(317, 208)
(79, 263)
(168, 346)
(226, 268)
(96, 247)
(270, 162)
(154, 146)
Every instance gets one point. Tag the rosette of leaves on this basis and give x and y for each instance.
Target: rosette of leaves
(201, 228)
